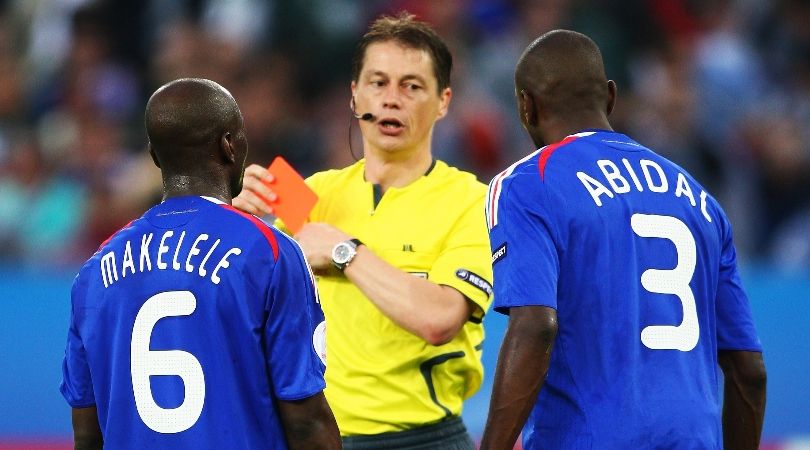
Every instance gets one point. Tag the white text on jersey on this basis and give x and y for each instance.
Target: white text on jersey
(655, 180)
(109, 262)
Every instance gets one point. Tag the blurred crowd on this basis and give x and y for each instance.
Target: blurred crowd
(721, 87)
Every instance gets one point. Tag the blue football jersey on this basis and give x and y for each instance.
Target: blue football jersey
(638, 261)
(188, 325)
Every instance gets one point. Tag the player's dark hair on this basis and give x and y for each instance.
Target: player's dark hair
(406, 30)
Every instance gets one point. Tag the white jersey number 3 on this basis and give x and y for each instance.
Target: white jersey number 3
(145, 363)
(683, 337)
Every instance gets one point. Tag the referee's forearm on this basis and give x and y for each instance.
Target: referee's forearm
(426, 309)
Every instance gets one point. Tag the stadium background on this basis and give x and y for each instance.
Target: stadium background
(722, 87)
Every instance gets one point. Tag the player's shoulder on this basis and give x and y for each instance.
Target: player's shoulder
(568, 153)
(287, 245)
(250, 227)
(281, 244)
(522, 172)
(538, 167)
(115, 240)
(525, 181)
(122, 234)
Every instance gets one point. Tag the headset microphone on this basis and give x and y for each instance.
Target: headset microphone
(367, 117)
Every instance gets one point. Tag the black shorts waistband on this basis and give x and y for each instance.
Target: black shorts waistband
(413, 437)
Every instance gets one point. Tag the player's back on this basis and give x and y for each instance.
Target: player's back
(639, 246)
(183, 317)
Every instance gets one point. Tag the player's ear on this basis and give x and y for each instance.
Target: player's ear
(611, 85)
(527, 108)
(226, 147)
(153, 155)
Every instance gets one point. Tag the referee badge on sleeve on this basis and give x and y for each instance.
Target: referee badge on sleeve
(475, 280)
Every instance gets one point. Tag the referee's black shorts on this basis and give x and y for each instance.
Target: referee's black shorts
(448, 434)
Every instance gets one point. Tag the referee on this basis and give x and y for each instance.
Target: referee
(401, 249)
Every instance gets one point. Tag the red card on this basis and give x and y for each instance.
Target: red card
(294, 199)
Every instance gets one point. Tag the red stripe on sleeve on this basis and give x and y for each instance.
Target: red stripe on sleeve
(268, 234)
(546, 154)
(113, 235)
(495, 188)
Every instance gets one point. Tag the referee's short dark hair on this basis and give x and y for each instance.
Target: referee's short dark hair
(406, 30)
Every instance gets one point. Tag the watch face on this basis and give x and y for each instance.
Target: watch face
(342, 253)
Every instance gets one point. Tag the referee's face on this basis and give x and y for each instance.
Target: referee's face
(398, 86)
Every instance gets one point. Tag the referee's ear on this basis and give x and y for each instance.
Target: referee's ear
(153, 155)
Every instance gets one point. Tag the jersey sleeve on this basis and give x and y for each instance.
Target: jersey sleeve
(735, 323)
(294, 334)
(464, 261)
(76, 386)
(524, 256)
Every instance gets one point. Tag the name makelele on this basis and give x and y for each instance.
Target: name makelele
(188, 258)
(654, 177)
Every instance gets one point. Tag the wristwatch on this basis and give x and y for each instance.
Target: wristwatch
(343, 253)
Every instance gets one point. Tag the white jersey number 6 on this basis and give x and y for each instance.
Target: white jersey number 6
(683, 337)
(145, 363)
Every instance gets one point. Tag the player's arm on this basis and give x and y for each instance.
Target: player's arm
(431, 311)
(740, 356)
(522, 365)
(309, 423)
(294, 352)
(77, 386)
(743, 398)
(86, 430)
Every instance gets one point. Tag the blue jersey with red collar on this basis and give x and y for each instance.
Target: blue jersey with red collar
(639, 263)
(188, 325)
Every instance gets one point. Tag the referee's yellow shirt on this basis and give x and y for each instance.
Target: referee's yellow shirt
(379, 377)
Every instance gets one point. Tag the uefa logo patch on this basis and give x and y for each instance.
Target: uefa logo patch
(319, 341)
(499, 253)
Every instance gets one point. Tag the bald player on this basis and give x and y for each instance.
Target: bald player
(619, 276)
(196, 325)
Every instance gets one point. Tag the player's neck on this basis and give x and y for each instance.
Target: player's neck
(185, 185)
(396, 169)
(558, 129)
